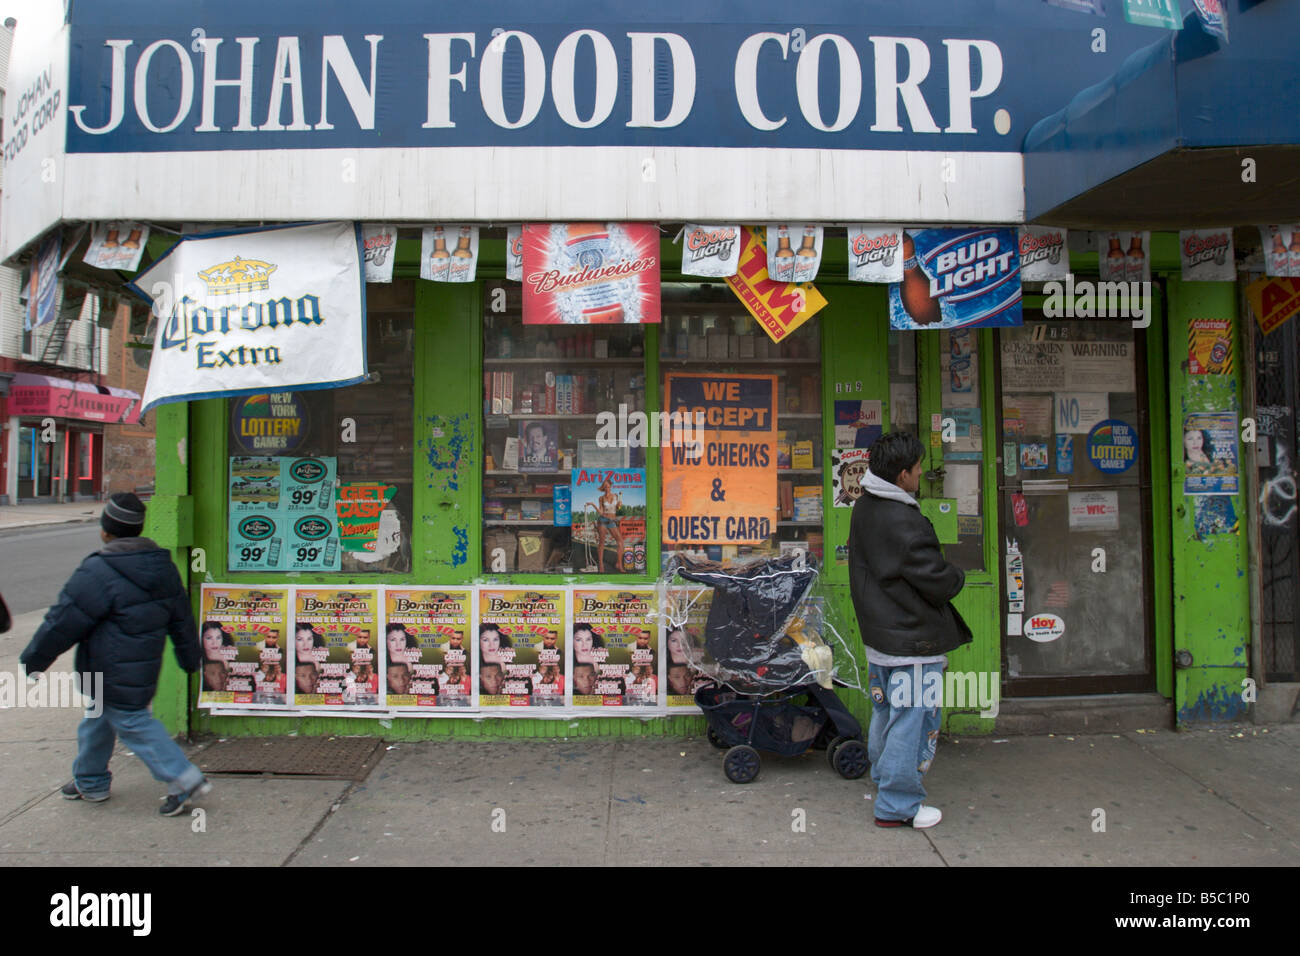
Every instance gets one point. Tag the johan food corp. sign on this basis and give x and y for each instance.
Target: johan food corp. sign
(258, 311)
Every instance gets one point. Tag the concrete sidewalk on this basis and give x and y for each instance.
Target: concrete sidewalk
(33, 515)
(1228, 797)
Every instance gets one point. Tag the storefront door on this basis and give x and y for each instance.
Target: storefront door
(37, 461)
(1074, 490)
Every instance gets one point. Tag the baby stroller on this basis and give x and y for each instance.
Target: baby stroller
(773, 671)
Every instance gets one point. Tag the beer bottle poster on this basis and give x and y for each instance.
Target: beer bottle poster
(615, 648)
(685, 611)
(337, 647)
(428, 644)
(1123, 256)
(957, 278)
(521, 641)
(785, 263)
(582, 273)
(721, 487)
(244, 638)
(449, 252)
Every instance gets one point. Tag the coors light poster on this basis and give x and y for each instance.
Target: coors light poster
(957, 278)
(1044, 253)
(587, 273)
(710, 250)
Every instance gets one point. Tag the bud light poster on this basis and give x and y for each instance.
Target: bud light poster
(449, 252)
(1044, 254)
(380, 244)
(788, 264)
(955, 278)
(710, 250)
(875, 253)
(587, 273)
(1207, 255)
(515, 253)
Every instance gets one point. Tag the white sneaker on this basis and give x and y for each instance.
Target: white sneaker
(926, 817)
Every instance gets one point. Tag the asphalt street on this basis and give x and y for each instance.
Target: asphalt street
(35, 563)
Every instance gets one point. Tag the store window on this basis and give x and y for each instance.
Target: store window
(561, 493)
(361, 439)
(706, 330)
(963, 444)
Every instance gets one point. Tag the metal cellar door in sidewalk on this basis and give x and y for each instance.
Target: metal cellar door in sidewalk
(1074, 492)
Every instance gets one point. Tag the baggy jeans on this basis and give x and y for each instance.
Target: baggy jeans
(903, 736)
(147, 738)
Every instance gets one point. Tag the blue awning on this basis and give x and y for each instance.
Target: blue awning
(1161, 141)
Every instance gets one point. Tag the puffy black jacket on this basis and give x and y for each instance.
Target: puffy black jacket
(118, 608)
(900, 582)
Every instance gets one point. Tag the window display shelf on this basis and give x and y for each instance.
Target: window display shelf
(799, 524)
(799, 471)
(528, 474)
(566, 360)
(724, 362)
(498, 523)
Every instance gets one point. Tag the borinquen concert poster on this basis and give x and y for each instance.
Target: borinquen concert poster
(521, 649)
(428, 644)
(337, 647)
(686, 609)
(956, 278)
(244, 639)
(615, 647)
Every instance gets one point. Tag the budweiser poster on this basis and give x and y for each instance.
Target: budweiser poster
(1207, 255)
(956, 278)
(874, 253)
(1044, 254)
(585, 273)
(788, 264)
(710, 250)
(380, 244)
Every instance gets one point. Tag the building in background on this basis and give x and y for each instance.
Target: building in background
(66, 385)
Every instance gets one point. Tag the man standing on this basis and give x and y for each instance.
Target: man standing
(902, 588)
(118, 608)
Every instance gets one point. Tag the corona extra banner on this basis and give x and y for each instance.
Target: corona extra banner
(261, 310)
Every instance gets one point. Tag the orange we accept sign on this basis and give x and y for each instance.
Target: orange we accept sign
(779, 307)
(719, 483)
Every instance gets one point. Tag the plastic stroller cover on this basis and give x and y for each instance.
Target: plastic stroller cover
(766, 631)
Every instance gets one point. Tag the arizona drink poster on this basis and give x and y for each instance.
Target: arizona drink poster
(954, 278)
(244, 637)
(582, 273)
(710, 250)
(428, 644)
(337, 647)
(615, 648)
(521, 641)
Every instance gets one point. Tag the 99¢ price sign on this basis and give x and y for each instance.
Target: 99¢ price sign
(282, 514)
(720, 487)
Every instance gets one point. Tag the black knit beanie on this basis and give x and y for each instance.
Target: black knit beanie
(123, 516)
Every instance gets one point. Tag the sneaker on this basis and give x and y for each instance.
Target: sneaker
(174, 803)
(925, 818)
(70, 792)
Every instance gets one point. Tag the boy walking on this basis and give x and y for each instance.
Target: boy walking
(902, 588)
(118, 608)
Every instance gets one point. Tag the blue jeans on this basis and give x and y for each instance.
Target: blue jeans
(902, 739)
(145, 735)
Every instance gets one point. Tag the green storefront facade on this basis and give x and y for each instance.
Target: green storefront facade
(1193, 595)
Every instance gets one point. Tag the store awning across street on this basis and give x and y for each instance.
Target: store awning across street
(41, 395)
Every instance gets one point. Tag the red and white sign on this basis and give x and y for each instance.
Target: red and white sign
(710, 250)
(1044, 628)
(1207, 255)
(380, 244)
(515, 253)
(875, 253)
(41, 395)
(1044, 253)
(586, 273)
(1094, 511)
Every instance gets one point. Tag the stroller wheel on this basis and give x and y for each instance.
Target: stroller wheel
(716, 740)
(741, 764)
(849, 757)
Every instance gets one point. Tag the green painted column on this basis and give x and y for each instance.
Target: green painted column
(1211, 599)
